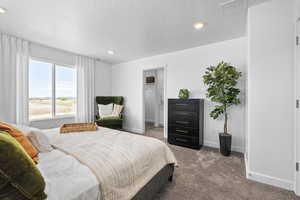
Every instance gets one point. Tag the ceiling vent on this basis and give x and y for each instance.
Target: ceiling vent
(255, 2)
(233, 7)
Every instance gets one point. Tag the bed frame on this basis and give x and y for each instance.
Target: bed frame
(149, 191)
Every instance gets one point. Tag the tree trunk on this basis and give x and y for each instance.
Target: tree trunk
(225, 122)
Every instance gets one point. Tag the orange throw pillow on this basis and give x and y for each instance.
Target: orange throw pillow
(18, 135)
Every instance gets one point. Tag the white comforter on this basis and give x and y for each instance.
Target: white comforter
(66, 178)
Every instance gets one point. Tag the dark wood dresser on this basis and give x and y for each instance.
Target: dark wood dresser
(185, 122)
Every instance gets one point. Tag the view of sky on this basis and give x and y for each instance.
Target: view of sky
(40, 80)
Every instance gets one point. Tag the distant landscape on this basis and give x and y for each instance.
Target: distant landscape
(42, 107)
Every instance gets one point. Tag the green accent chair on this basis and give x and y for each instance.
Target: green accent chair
(111, 122)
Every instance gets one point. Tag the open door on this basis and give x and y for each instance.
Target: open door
(297, 78)
(154, 102)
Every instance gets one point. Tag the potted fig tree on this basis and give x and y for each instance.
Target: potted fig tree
(221, 81)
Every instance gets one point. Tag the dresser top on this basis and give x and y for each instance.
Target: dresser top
(192, 99)
(184, 99)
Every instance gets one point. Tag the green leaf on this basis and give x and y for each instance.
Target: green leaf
(221, 81)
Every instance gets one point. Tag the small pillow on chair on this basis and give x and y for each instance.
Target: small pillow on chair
(20, 179)
(117, 110)
(105, 109)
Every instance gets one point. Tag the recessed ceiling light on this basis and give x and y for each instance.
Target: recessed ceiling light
(2, 10)
(198, 25)
(110, 52)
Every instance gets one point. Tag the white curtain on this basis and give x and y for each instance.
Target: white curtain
(85, 89)
(14, 59)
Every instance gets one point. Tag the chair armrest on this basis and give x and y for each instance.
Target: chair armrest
(121, 115)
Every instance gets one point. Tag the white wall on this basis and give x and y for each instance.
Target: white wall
(270, 92)
(52, 54)
(184, 70)
(102, 77)
(297, 7)
(297, 96)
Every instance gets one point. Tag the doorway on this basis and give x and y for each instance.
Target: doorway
(297, 136)
(154, 102)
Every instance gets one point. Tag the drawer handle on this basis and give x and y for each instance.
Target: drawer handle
(181, 140)
(181, 104)
(183, 113)
(182, 122)
(181, 131)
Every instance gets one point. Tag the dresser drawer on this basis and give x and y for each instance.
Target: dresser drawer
(183, 120)
(184, 106)
(181, 130)
(184, 141)
(175, 113)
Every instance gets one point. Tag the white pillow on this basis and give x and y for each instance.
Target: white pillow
(39, 140)
(105, 109)
(23, 128)
(117, 110)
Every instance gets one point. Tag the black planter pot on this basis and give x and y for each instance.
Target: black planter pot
(225, 144)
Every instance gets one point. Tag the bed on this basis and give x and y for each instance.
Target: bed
(105, 164)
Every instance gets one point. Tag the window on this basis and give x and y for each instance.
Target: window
(52, 90)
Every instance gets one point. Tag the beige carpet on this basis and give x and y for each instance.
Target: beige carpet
(206, 175)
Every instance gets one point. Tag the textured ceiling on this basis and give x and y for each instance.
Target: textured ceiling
(132, 28)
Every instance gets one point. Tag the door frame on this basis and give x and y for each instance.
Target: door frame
(164, 67)
(297, 111)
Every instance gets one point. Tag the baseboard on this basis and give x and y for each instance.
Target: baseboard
(246, 165)
(296, 188)
(217, 145)
(262, 178)
(285, 184)
(152, 121)
(134, 130)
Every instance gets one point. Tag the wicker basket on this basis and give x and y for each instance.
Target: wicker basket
(77, 127)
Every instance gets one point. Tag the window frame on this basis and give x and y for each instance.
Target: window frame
(53, 84)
